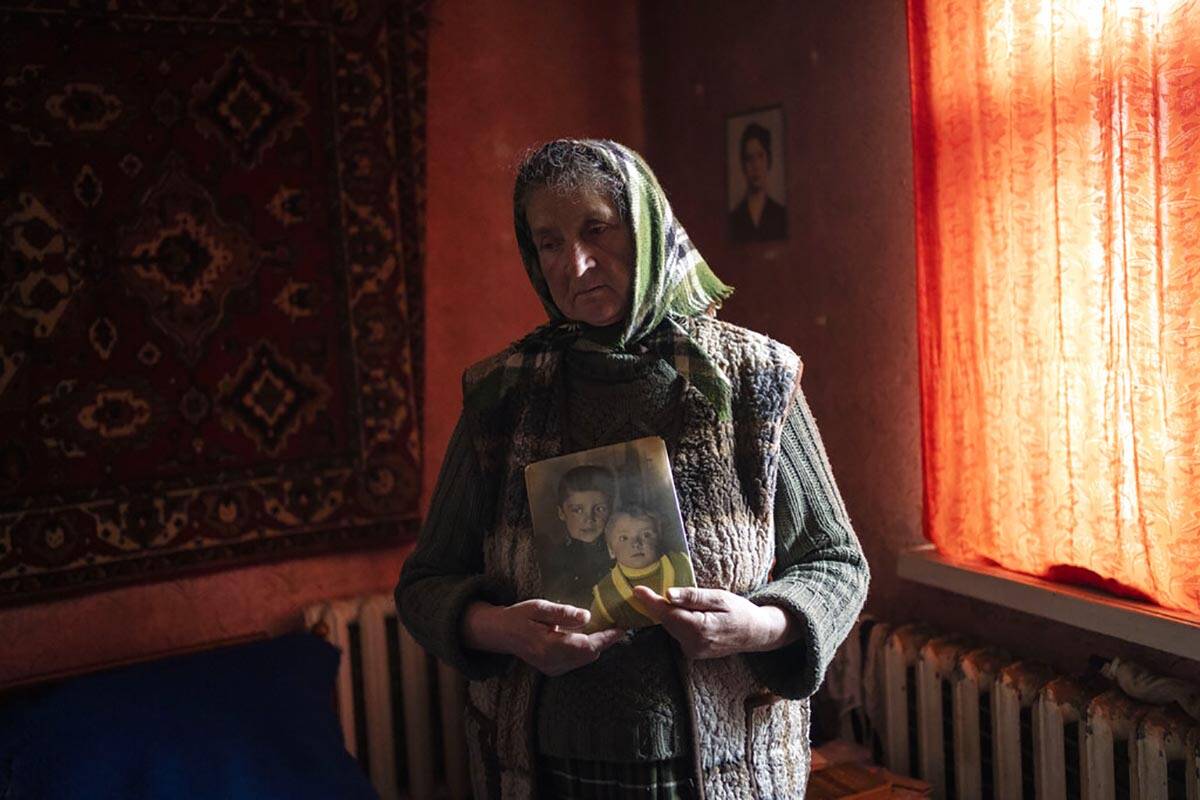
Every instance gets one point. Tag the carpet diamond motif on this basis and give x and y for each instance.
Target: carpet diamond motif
(246, 108)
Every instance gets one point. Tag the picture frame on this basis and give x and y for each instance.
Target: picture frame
(756, 175)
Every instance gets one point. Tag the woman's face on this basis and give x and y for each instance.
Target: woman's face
(755, 164)
(586, 254)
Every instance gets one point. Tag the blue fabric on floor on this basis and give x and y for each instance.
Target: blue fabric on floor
(252, 721)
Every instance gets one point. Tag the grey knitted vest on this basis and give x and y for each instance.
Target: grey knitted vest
(748, 742)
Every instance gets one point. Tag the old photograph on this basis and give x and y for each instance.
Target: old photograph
(757, 200)
(607, 520)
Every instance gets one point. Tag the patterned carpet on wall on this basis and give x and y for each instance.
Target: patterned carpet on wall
(210, 255)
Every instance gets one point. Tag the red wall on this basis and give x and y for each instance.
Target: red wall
(153, 618)
(502, 76)
(505, 75)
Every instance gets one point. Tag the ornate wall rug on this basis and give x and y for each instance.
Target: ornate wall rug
(210, 258)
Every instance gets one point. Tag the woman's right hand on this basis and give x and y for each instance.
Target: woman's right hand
(545, 635)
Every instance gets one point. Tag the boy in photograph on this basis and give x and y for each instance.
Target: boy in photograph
(585, 499)
(634, 538)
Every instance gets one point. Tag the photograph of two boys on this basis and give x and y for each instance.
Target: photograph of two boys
(607, 520)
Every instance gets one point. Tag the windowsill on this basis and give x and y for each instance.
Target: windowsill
(1161, 628)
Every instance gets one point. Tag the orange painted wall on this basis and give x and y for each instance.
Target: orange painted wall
(502, 76)
(505, 75)
(156, 617)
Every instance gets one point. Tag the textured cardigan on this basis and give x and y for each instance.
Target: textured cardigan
(819, 576)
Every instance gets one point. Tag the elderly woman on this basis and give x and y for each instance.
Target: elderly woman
(711, 702)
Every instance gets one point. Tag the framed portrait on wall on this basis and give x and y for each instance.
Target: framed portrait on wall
(755, 175)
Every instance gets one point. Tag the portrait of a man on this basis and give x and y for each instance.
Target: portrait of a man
(757, 210)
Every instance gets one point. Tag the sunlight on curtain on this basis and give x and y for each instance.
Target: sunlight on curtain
(1057, 160)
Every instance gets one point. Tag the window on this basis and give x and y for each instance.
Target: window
(1058, 244)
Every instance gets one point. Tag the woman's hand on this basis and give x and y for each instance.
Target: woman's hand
(711, 623)
(543, 634)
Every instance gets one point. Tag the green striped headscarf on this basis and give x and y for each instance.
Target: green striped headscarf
(670, 276)
(670, 281)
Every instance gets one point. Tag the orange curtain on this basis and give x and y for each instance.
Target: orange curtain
(1057, 165)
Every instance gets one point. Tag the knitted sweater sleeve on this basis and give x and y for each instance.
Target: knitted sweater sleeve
(444, 573)
(820, 574)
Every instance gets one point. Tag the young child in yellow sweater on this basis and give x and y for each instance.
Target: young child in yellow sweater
(634, 537)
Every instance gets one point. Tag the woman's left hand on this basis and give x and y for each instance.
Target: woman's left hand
(711, 623)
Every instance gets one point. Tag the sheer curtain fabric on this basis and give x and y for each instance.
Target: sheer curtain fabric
(1057, 165)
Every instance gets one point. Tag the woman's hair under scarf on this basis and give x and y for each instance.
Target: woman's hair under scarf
(670, 280)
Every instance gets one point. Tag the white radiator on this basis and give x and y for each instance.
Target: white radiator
(975, 723)
(401, 710)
